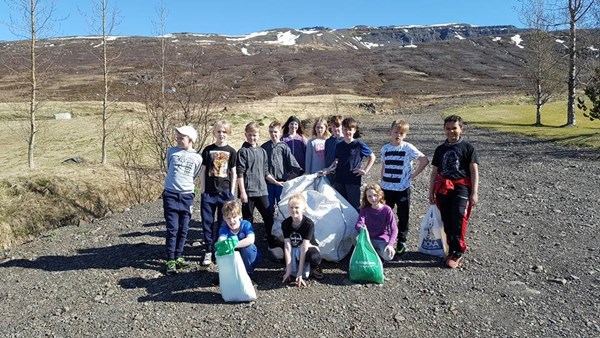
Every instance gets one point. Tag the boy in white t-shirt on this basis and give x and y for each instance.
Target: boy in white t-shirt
(396, 175)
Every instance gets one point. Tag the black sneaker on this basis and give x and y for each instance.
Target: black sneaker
(401, 250)
(316, 273)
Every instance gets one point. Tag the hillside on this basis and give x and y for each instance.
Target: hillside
(369, 61)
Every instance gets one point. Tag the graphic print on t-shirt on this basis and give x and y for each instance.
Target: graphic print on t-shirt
(450, 163)
(295, 239)
(220, 161)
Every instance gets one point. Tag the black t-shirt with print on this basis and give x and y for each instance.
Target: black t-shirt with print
(306, 230)
(218, 161)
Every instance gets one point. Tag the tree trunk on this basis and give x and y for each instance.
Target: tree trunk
(105, 89)
(574, 8)
(538, 105)
(33, 98)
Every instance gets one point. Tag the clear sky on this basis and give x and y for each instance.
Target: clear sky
(237, 17)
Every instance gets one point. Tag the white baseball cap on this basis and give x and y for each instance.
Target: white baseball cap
(188, 131)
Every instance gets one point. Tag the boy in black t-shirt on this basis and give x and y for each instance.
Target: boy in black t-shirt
(217, 184)
(300, 246)
(454, 186)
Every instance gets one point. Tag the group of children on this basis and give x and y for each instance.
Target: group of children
(258, 172)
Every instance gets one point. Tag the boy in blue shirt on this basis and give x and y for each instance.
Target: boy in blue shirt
(234, 226)
(348, 161)
(183, 166)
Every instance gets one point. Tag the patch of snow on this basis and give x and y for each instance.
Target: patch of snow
(496, 39)
(206, 42)
(166, 36)
(358, 38)
(285, 39)
(370, 45)
(245, 51)
(458, 36)
(320, 34)
(176, 40)
(410, 46)
(593, 49)
(248, 36)
(517, 40)
(308, 31)
(560, 41)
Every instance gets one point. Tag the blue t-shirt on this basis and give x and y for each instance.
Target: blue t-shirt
(350, 157)
(245, 230)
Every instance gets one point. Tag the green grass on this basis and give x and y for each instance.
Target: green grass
(520, 119)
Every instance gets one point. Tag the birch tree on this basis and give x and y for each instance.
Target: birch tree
(104, 20)
(543, 62)
(32, 20)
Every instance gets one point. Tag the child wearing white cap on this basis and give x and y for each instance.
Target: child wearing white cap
(183, 166)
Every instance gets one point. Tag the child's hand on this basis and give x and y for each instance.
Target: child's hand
(359, 172)
(389, 250)
(300, 282)
(244, 197)
(286, 278)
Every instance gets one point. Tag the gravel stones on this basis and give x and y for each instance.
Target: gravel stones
(531, 269)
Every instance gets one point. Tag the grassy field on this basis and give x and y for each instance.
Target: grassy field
(520, 118)
(55, 194)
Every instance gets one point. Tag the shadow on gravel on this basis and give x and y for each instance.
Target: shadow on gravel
(139, 256)
(177, 288)
(415, 259)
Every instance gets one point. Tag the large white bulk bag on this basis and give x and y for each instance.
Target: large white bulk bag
(333, 216)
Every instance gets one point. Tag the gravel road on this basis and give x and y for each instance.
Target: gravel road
(532, 268)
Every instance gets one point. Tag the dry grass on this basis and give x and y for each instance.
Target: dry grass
(55, 194)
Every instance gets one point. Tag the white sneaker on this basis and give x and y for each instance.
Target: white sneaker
(207, 259)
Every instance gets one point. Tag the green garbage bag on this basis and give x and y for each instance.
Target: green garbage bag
(365, 265)
(226, 247)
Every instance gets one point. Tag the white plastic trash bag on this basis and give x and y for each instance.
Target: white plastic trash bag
(234, 282)
(333, 216)
(432, 238)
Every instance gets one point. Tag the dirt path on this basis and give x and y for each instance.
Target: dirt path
(532, 269)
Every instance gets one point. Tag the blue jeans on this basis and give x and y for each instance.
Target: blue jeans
(177, 210)
(209, 204)
(274, 196)
(250, 257)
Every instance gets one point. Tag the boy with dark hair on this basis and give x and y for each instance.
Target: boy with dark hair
(348, 161)
(454, 186)
(183, 166)
(253, 175)
(396, 174)
(217, 184)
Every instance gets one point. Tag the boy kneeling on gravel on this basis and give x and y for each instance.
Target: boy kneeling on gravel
(454, 186)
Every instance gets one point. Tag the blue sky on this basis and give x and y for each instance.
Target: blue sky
(246, 16)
